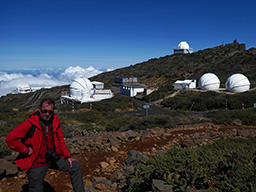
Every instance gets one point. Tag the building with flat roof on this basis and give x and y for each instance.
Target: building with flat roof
(185, 84)
(132, 89)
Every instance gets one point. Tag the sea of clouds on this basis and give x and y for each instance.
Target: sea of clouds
(43, 78)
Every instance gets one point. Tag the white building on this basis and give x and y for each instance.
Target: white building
(183, 47)
(82, 90)
(209, 81)
(237, 83)
(132, 89)
(23, 88)
(98, 85)
(185, 84)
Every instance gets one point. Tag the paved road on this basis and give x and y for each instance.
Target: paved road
(35, 97)
(141, 111)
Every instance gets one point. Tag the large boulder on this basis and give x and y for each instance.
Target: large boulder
(113, 142)
(10, 169)
(134, 156)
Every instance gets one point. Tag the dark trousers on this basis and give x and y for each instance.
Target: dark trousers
(36, 175)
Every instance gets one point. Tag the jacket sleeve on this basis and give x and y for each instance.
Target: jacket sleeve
(62, 144)
(14, 136)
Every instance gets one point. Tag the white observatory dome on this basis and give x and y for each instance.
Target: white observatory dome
(209, 81)
(237, 83)
(183, 45)
(81, 88)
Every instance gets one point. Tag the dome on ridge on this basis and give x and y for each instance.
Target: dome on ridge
(237, 83)
(183, 45)
(209, 81)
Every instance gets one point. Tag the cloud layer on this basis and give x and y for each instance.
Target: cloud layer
(40, 78)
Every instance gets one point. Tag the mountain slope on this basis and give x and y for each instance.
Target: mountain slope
(221, 60)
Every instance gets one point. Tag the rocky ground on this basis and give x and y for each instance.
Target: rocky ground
(106, 157)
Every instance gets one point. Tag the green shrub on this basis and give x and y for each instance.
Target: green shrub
(67, 134)
(159, 93)
(117, 102)
(116, 122)
(87, 126)
(207, 101)
(4, 149)
(247, 116)
(236, 101)
(177, 103)
(226, 165)
(210, 100)
(142, 123)
(89, 116)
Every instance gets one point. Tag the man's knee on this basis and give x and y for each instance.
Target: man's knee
(76, 165)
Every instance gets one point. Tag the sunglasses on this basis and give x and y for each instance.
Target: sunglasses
(46, 111)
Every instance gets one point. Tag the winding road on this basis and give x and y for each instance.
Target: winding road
(35, 97)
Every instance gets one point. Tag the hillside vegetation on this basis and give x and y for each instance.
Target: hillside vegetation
(223, 61)
(226, 165)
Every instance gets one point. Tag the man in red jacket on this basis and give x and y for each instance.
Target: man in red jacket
(40, 141)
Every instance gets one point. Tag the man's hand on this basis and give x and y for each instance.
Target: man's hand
(30, 151)
(70, 160)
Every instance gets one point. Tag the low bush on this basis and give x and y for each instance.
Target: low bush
(177, 103)
(87, 126)
(4, 149)
(89, 116)
(210, 100)
(117, 122)
(141, 123)
(226, 165)
(118, 102)
(159, 93)
(238, 101)
(247, 116)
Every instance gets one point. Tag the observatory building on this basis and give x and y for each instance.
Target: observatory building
(130, 87)
(23, 88)
(132, 90)
(209, 81)
(237, 83)
(185, 84)
(182, 48)
(82, 90)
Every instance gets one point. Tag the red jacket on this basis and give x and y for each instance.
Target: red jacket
(13, 140)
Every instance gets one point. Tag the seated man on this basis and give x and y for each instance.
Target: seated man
(40, 141)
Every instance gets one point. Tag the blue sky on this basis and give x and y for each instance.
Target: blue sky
(116, 33)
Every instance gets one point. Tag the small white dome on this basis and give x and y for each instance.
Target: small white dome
(237, 83)
(209, 81)
(81, 87)
(183, 45)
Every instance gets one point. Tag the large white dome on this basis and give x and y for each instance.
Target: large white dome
(209, 81)
(183, 45)
(237, 83)
(81, 87)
